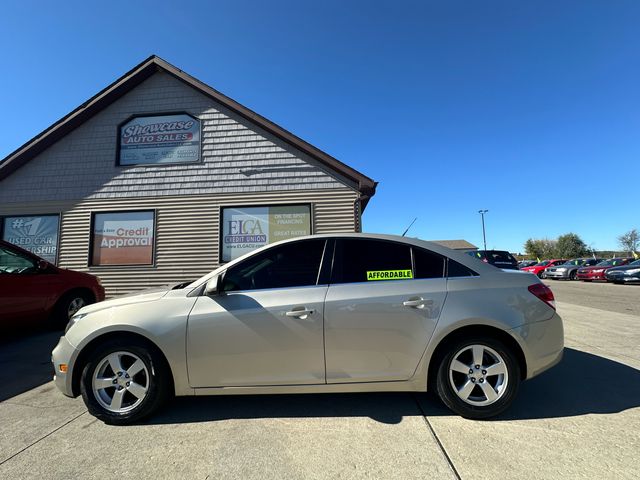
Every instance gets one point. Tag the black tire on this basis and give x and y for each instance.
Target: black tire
(159, 386)
(573, 275)
(63, 311)
(541, 274)
(447, 394)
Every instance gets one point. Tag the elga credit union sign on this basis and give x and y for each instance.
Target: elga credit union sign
(159, 139)
(246, 228)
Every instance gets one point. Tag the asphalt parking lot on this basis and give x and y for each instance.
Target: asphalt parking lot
(579, 420)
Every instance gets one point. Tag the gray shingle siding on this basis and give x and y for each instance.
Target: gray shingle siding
(237, 156)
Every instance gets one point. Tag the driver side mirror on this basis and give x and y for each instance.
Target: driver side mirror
(43, 265)
(213, 286)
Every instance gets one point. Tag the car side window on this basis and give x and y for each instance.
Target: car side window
(363, 260)
(428, 264)
(293, 264)
(455, 269)
(15, 263)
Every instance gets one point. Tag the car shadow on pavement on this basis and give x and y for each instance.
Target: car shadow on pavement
(25, 361)
(581, 384)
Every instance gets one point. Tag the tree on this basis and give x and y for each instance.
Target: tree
(629, 241)
(540, 248)
(570, 245)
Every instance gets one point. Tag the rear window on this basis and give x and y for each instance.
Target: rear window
(428, 264)
(500, 257)
(455, 269)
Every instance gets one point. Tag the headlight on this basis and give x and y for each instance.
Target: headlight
(74, 319)
(633, 271)
(599, 270)
(561, 269)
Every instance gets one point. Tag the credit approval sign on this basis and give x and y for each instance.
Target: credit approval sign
(159, 139)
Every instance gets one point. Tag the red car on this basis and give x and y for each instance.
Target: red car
(34, 292)
(596, 272)
(539, 268)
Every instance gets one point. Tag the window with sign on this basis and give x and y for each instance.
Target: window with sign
(36, 233)
(245, 229)
(158, 139)
(123, 238)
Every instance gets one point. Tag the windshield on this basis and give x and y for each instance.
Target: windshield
(543, 263)
(574, 262)
(610, 263)
(636, 263)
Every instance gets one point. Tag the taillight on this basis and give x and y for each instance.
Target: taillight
(544, 293)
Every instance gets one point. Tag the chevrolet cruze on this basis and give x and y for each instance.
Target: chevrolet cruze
(325, 313)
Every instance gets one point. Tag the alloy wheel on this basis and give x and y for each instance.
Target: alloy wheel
(120, 382)
(478, 375)
(74, 305)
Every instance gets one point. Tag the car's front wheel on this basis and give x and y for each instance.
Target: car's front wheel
(478, 377)
(124, 382)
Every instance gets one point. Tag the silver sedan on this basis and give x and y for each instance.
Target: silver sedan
(325, 313)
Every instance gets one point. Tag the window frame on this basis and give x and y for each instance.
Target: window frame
(161, 164)
(327, 250)
(222, 208)
(90, 263)
(22, 255)
(58, 230)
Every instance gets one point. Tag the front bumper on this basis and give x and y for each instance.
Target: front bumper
(542, 343)
(64, 353)
(623, 278)
(591, 276)
(556, 274)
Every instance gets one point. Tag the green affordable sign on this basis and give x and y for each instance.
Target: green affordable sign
(389, 275)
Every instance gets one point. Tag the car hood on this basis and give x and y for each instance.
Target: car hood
(144, 296)
(622, 268)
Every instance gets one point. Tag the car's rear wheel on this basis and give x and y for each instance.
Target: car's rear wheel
(68, 306)
(478, 377)
(124, 382)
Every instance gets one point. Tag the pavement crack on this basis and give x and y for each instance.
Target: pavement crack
(41, 438)
(438, 442)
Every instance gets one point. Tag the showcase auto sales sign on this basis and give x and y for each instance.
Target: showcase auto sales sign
(160, 139)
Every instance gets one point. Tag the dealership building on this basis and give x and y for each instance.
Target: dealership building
(159, 178)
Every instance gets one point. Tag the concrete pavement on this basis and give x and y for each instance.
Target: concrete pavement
(579, 420)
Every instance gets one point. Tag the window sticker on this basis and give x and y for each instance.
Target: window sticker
(389, 275)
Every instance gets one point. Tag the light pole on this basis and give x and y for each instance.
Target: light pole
(484, 236)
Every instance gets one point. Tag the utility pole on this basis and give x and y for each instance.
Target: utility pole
(484, 236)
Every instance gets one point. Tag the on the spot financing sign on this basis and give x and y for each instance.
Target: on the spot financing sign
(160, 139)
(123, 238)
(247, 228)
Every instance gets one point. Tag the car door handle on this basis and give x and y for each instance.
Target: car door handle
(417, 302)
(303, 312)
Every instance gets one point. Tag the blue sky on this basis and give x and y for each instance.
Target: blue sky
(528, 109)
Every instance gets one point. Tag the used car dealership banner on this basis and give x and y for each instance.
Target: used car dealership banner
(123, 239)
(245, 229)
(37, 234)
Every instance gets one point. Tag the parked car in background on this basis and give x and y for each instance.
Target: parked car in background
(33, 292)
(626, 274)
(318, 314)
(597, 272)
(526, 263)
(497, 258)
(569, 269)
(540, 268)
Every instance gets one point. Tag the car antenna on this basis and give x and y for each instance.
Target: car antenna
(405, 232)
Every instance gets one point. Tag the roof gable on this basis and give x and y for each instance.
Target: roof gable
(135, 77)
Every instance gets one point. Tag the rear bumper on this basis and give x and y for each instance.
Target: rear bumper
(542, 344)
(64, 353)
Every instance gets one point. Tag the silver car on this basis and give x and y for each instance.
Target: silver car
(325, 313)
